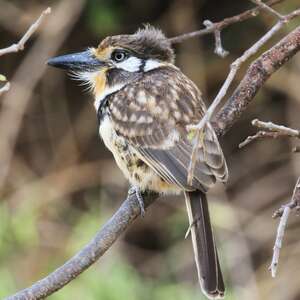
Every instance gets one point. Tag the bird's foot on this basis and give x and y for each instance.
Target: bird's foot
(190, 227)
(134, 190)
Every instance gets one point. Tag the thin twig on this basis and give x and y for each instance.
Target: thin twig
(268, 9)
(31, 30)
(15, 102)
(257, 74)
(219, 50)
(270, 130)
(5, 88)
(277, 128)
(284, 213)
(234, 67)
(222, 24)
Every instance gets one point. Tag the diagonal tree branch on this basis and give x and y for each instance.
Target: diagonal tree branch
(219, 26)
(234, 67)
(21, 44)
(102, 241)
(31, 30)
(283, 213)
(255, 77)
(257, 74)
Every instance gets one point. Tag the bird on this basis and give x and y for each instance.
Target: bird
(144, 105)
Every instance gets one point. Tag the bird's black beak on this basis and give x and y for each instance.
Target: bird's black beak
(82, 61)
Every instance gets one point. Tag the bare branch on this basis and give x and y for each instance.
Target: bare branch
(270, 130)
(233, 70)
(284, 213)
(15, 102)
(5, 88)
(268, 9)
(257, 74)
(236, 65)
(31, 30)
(102, 241)
(222, 24)
(276, 128)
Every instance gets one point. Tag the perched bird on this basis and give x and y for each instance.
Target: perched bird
(144, 104)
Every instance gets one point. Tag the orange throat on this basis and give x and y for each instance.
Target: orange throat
(100, 83)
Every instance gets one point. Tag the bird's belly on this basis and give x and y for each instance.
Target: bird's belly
(131, 163)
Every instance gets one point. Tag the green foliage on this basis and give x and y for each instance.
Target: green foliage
(103, 17)
(112, 278)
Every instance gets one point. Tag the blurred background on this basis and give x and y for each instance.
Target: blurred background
(58, 184)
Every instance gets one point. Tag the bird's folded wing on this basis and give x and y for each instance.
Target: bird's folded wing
(152, 114)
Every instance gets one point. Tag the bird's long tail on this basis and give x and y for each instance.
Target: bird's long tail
(206, 256)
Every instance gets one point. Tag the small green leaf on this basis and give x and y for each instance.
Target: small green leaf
(191, 135)
(2, 78)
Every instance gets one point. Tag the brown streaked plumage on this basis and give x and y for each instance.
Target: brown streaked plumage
(144, 104)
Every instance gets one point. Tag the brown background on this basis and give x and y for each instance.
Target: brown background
(59, 183)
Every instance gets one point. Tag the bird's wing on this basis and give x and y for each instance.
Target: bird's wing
(152, 115)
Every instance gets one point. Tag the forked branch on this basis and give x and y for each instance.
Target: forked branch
(234, 67)
(19, 46)
(270, 130)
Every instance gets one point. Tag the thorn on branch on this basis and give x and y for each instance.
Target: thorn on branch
(270, 130)
(284, 212)
(219, 50)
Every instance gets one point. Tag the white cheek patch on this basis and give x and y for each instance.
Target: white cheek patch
(152, 64)
(106, 92)
(132, 64)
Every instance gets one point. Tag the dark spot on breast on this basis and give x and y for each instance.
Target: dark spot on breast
(140, 163)
(129, 163)
(136, 177)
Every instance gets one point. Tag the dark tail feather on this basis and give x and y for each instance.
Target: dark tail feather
(206, 256)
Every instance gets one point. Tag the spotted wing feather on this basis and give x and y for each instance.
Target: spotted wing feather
(152, 114)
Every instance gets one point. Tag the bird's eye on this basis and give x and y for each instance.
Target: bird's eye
(119, 55)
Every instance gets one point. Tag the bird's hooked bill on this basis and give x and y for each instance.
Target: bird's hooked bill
(82, 61)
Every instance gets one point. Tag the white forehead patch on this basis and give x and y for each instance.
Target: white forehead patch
(131, 64)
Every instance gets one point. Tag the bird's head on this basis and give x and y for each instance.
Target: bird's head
(118, 59)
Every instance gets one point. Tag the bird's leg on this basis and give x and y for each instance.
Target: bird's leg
(190, 227)
(135, 190)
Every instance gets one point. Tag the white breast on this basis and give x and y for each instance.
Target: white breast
(114, 143)
(107, 132)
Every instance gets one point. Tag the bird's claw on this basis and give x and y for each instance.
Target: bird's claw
(134, 190)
